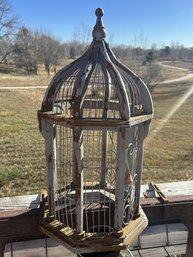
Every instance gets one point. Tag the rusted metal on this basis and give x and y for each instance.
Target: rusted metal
(163, 198)
(60, 119)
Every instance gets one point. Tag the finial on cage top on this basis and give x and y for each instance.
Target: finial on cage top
(99, 32)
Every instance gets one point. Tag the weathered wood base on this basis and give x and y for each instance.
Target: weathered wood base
(86, 243)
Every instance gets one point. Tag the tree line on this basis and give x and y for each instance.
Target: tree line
(27, 48)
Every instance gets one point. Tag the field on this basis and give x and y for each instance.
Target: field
(168, 148)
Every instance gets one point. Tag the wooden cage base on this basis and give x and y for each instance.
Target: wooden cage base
(91, 242)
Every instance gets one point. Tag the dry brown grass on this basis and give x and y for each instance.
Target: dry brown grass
(165, 73)
(169, 73)
(21, 145)
(181, 64)
(11, 76)
(169, 146)
(15, 77)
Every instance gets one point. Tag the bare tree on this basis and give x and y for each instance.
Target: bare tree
(138, 50)
(80, 40)
(151, 74)
(82, 35)
(50, 51)
(6, 48)
(8, 22)
(58, 54)
(25, 49)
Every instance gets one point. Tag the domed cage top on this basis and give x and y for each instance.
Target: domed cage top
(94, 117)
(97, 86)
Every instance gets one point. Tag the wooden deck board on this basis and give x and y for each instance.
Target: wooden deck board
(161, 251)
(55, 250)
(176, 191)
(37, 248)
(156, 252)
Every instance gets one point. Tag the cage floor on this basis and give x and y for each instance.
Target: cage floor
(98, 210)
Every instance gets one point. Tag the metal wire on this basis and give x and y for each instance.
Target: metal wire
(63, 100)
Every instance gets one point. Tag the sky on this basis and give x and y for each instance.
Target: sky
(128, 22)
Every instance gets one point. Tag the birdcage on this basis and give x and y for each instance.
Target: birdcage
(94, 117)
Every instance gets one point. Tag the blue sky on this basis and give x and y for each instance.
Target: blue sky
(154, 21)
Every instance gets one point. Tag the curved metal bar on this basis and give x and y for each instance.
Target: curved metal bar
(145, 94)
(60, 78)
(118, 82)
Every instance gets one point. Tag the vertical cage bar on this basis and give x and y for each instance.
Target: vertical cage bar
(103, 156)
(50, 146)
(120, 178)
(78, 172)
(91, 166)
(129, 182)
(139, 167)
(69, 150)
(104, 131)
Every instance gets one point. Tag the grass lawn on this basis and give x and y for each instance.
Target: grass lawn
(168, 148)
(21, 145)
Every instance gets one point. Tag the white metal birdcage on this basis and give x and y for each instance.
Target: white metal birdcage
(94, 117)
